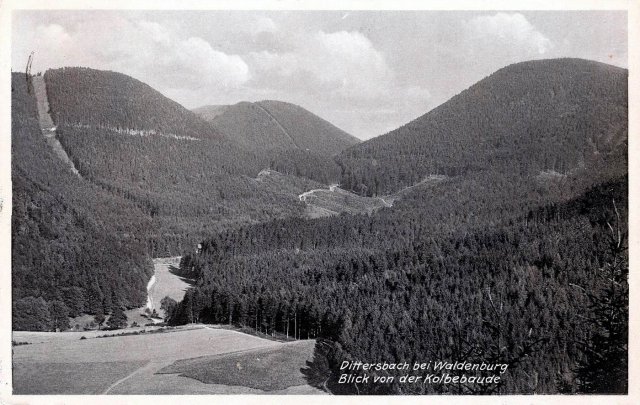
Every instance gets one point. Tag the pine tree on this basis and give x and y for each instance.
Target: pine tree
(604, 368)
(99, 318)
(118, 318)
(31, 313)
(59, 316)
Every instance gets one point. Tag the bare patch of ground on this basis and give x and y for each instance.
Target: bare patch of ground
(46, 122)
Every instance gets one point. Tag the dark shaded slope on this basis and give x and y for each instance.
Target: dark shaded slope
(307, 129)
(249, 126)
(73, 244)
(561, 115)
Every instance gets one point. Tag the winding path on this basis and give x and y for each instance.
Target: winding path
(386, 204)
(303, 196)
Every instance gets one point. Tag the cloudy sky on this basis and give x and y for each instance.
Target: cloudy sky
(367, 72)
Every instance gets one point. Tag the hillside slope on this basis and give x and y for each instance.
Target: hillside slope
(186, 177)
(510, 194)
(561, 115)
(75, 247)
(276, 125)
(83, 96)
(426, 279)
(149, 183)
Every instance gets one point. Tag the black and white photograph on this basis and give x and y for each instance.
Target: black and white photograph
(284, 200)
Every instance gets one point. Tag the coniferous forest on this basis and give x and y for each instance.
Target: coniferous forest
(72, 243)
(511, 258)
(517, 255)
(383, 288)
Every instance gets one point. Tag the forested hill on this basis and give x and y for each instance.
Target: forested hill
(186, 178)
(558, 116)
(276, 125)
(103, 98)
(84, 100)
(76, 248)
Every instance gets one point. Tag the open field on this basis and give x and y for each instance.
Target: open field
(267, 369)
(64, 364)
(334, 200)
(207, 357)
(62, 378)
(167, 282)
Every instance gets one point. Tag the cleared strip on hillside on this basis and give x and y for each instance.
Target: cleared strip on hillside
(47, 125)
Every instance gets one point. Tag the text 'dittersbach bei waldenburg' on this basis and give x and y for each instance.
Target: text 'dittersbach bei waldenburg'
(431, 372)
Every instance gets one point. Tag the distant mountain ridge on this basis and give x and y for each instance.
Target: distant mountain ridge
(209, 112)
(276, 125)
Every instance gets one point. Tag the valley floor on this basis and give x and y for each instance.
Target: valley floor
(167, 282)
(193, 359)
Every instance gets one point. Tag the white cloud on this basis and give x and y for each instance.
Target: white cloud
(53, 34)
(343, 74)
(197, 63)
(155, 32)
(349, 57)
(509, 30)
(343, 63)
(190, 62)
(262, 24)
(144, 49)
